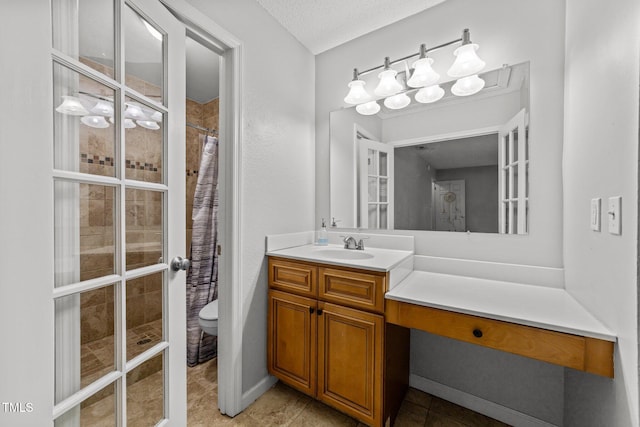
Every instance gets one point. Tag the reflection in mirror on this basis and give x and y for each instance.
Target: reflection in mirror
(457, 165)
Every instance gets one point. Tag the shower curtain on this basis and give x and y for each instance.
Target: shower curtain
(202, 277)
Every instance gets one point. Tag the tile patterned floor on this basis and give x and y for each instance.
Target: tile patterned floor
(280, 406)
(284, 406)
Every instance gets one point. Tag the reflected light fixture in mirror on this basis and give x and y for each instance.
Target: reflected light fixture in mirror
(465, 68)
(467, 86)
(368, 108)
(94, 110)
(429, 94)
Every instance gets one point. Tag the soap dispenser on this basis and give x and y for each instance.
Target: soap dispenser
(323, 235)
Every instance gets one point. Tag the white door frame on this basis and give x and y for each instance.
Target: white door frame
(230, 273)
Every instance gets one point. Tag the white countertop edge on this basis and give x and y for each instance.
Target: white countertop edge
(300, 253)
(594, 329)
(606, 336)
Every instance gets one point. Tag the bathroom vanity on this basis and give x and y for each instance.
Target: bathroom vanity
(339, 322)
(327, 335)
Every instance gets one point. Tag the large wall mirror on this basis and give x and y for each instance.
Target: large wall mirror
(459, 164)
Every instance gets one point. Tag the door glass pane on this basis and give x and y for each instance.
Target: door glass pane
(145, 393)
(96, 411)
(144, 313)
(372, 168)
(515, 180)
(383, 164)
(84, 30)
(373, 189)
(144, 230)
(143, 55)
(507, 146)
(84, 330)
(143, 142)
(373, 216)
(507, 188)
(84, 233)
(514, 148)
(383, 189)
(83, 131)
(383, 217)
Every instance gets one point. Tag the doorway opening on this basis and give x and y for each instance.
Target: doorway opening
(202, 226)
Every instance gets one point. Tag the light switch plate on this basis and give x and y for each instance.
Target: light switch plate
(614, 212)
(595, 214)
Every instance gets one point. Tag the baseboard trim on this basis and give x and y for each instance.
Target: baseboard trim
(257, 390)
(477, 404)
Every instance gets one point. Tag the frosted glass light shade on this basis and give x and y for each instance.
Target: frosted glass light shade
(368, 108)
(103, 108)
(467, 61)
(397, 102)
(357, 94)
(388, 84)
(95, 121)
(156, 116)
(429, 94)
(128, 123)
(71, 106)
(467, 86)
(423, 74)
(134, 112)
(148, 124)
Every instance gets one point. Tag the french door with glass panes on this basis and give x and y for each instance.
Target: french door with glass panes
(118, 181)
(375, 177)
(513, 177)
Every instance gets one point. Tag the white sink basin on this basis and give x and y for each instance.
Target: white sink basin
(343, 254)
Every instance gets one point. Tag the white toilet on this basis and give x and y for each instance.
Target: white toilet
(208, 318)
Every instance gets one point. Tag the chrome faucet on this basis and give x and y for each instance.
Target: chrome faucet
(351, 243)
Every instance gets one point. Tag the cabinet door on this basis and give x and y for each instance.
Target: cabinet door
(291, 340)
(350, 361)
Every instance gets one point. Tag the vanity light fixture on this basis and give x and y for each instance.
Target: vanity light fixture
(95, 109)
(71, 106)
(423, 75)
(465, 68)
(388, 85)
(98, 122)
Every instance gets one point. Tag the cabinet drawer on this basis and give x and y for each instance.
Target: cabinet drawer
(573, 351)
(352, 288)
(292, 276)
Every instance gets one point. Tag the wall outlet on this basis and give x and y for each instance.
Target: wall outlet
(614, 212)
(595, 214)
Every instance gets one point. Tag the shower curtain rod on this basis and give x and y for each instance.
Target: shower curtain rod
(207, 130)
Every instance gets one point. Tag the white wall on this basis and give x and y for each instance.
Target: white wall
(26, 307)
(601, 160)
(508, 31)
(277, 182)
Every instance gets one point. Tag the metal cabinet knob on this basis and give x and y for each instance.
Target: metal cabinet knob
(179, 263)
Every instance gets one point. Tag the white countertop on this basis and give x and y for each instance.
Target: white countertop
(380, 260)
(538, 306)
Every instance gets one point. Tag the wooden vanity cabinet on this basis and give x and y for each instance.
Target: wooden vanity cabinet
(327, 337)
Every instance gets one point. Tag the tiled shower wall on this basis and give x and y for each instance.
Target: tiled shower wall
(143, 158)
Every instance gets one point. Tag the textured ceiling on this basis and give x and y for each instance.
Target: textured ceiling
(324, 24)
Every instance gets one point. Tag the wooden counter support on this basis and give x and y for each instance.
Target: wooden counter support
(578, 352)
